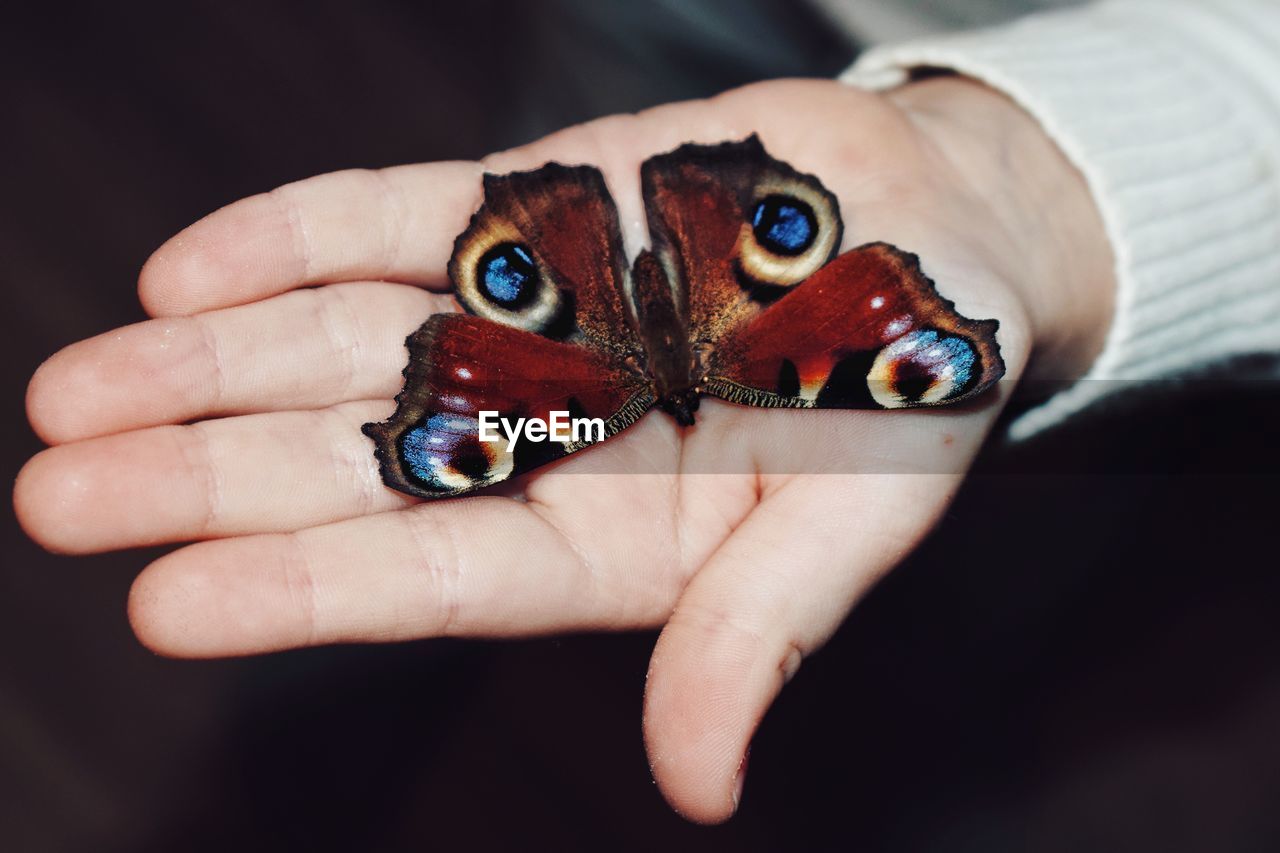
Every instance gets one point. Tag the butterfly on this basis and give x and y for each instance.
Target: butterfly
(742, 295)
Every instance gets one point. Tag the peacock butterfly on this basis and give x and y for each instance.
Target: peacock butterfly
(741, 295)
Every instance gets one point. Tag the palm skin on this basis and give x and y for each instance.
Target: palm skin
(234, 418)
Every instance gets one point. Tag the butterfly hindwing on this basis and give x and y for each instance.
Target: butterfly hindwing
(461, 366)
(777, 318)
(868, 330)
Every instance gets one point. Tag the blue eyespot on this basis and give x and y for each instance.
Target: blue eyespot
(508, 275)
(784, 225)
(444, 453)
(431, 446)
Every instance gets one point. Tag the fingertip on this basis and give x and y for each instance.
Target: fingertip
(709, 686)
(45, 393)
(84, 497)
(49, 503)
(157, 371)
(161, 608)
(221, 598)
(64, 394)
(237, 254)
(159, 291)
(183, 606)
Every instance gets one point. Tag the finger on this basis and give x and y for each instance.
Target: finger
(476, 567)
(302, 350)
(399, 224)
(394, 224)
(771, 595)
(253, 474)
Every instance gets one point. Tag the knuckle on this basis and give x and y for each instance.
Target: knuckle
(354, 467)
(298, 579)
(438, 566)
(395, 218)
(212, 361)
(715, 627)
(336, 317)
(290, 211)
(193, 452)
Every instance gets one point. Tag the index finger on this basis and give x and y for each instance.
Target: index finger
(395, 224)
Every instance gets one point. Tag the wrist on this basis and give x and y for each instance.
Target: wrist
(1052, 247)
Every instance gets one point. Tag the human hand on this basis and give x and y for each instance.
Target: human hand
(234, 418)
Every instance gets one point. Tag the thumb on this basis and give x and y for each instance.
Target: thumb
(762, 603)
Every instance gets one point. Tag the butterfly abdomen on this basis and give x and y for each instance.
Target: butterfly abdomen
(669, 359)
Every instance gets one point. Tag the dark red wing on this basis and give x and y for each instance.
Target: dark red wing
(544, 254)
(868, 330)
(461, 365)
(709, 208)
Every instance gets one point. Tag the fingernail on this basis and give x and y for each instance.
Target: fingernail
(740, 778)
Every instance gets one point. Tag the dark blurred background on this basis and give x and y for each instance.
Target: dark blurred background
(1085, 656)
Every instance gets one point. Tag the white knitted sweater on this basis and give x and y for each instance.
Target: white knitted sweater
(1171, 111)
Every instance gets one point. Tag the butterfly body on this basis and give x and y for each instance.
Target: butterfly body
(671, 365)
(740, 295)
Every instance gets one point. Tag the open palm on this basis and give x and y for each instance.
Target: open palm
(234, 418)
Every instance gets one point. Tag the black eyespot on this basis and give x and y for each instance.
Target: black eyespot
(784, 224)
(508, 275)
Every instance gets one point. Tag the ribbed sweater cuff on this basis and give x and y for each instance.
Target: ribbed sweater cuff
(1171, 111)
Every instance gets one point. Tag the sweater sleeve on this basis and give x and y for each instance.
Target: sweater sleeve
(1171, 111)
